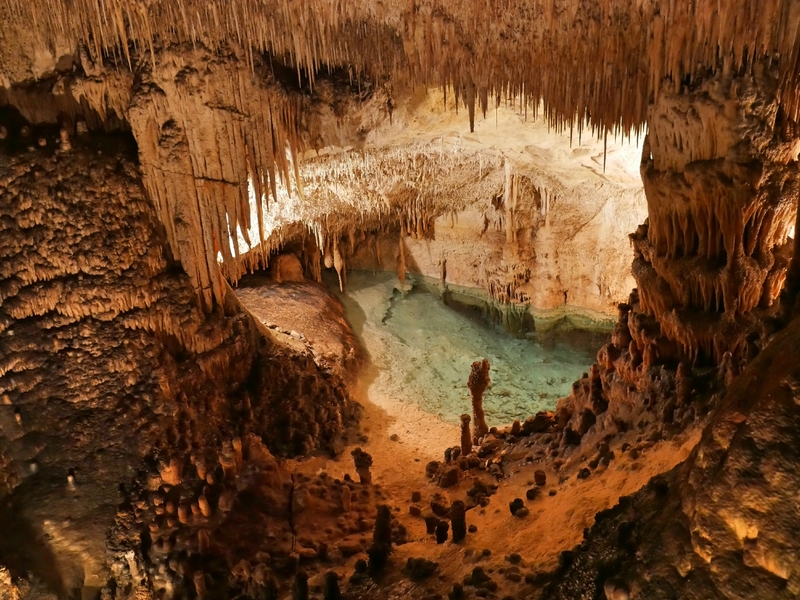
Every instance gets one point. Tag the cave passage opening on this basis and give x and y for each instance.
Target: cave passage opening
(422, 342)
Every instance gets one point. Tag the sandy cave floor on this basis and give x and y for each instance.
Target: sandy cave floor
(402, 438)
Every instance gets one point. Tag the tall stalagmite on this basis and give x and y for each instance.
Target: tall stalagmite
(477, 383)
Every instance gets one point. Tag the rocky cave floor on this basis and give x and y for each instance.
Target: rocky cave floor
(561, 485)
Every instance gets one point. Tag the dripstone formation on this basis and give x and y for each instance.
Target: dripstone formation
(158, 440)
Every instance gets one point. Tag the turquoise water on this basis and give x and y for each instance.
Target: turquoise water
(422, 351)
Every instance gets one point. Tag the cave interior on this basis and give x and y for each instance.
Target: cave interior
(376, 300)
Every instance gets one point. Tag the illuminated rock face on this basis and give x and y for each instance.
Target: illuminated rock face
(514, 208)
(721, 183)
(724, 520)
(176, 99)
(208, 130)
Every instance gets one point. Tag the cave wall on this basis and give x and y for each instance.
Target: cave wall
(574, 243)
(723, 523)
(513, 208)
(712, 328)
(110, 367)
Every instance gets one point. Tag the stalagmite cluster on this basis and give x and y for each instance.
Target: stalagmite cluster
(108, 360)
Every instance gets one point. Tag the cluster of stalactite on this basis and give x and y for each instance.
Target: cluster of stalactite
(204, 139)
(397, 192)
(347, 213)
(503, 286)
(722, 186)
(209, 122)
(627, 49)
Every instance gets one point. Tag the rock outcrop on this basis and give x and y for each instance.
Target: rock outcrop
(720, 176)
(722, 524)
(108, 360)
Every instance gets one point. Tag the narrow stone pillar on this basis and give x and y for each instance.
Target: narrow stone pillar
(477, 383)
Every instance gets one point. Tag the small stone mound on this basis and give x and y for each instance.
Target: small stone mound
(420, 568)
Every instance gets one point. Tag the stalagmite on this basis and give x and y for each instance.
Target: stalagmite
(458, 517)
(363, 462)
(330, 590)
(205, 507)
(200, 465)
(64, 145)
(200, 588)
(466, 435)
(477, 383)
(442, 528)
(300, 587)
(347, 498)
(203, 541)
(381, 546)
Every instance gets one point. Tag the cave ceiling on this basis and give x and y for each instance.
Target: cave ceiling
(226, 98)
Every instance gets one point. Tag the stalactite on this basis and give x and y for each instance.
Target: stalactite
(470, 101)
(401, 261)
(205, 140)
(628, 52)
(716, 245)
(338, 263)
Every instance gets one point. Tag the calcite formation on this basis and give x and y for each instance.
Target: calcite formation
(689, 532)
(477, 383)
(466, 435)
(631, 53)
(108, 359)
(719, 170)
(152, 153)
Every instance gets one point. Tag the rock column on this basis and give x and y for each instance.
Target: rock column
(721, 180)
